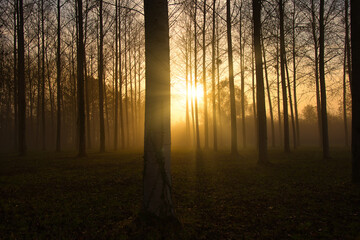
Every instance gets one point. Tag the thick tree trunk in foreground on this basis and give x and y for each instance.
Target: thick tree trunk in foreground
(231, 82)
(21, 79)
(260, 93)
(355, 89)
(324, 121)
(80, 82)
(157, 180)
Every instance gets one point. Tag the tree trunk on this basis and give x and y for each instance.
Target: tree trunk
(242, 69)
(291, 104)
(355, 89)
(278, 90)
(283, 80)
(21, 82)
(294, 77)
(58, 80)
(198, 147)
(234, 150)
(43, 122)
(157, 178)
(260, 93)
(324, 121)
(101, 81)
(269, 96)
(16, 83)
(346, 130)
(87, 100)
(116, 79)
(347, 41)
(206, 124)
(213, 76)
(80, 82)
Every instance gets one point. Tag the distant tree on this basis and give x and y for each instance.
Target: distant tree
(324, 121)
(101, 81)
(234, 150)
(21, 79)
(198, 147)
(283, 79)
(157, 180)
(355, 89)
(80, 81)
(260, 92)
(58, 67)
(213, 73)
(206, 124)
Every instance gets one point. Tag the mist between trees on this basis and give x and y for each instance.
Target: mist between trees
(114, 73)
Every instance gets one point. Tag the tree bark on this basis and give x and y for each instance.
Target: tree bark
(198, 147)
(157, 178)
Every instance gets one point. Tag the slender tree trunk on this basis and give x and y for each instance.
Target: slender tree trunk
(87, 100)
(213, 76)
(294, 75)
(355, 89)
(324, 121)
(269, 95)
(253, 93)
(234, 150)
(278, 91)
(58, 67)
(43, 122)
(187, 116)
(122, 130)
(206, 124)
(218, 78)
(126, 86)
(260, 92)
(157, 178)
(198, 147)
(291, 104)
(101, 81)
(80, 82)
(316, 47)
(347, 41)
(242, 69)
(16, 96)
(116, 79)
(346, 130)
(21, 79)
(283, 80)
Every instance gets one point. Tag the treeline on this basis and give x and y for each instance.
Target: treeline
(303, 48)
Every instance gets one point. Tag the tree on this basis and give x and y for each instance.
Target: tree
(355, 89)
(101, 82)
(80, 82)
(261, 112)
(198, 147)
(283, 79)
(213, 59)
(234, 150)
(157, 180)
(206, 124)
(324, 122)
(58, 67)
(21, 79)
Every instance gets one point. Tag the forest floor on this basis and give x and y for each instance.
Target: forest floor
(298, 196)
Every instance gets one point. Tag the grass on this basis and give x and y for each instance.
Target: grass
(299, 196)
